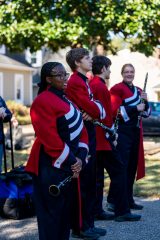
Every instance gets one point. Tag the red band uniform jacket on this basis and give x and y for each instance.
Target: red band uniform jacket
(59, 128)
(125, 100)
(79, 92)
(60, 131)
(101, 92)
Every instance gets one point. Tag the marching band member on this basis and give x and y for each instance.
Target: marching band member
(59, 149)
(79, 92)
(127, 98)
(106, 158)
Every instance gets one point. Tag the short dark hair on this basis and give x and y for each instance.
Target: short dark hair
(75, 54)
(99, 62)
(126, 65)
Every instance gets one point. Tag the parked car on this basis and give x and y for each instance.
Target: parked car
(151, 125)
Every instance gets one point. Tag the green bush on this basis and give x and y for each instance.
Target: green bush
(20, 111)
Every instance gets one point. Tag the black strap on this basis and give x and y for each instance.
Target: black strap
(4, 147)
(12, 154)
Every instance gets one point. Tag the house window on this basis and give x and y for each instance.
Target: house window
(1, 84)
(19, 88)
(34, 58)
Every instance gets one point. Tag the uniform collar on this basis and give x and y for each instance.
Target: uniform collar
(102, 80)
(99, 78)
(82, 76)
(59, 93)
(130, 86)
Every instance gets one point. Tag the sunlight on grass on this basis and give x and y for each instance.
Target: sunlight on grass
(149, 186)
(20, 157)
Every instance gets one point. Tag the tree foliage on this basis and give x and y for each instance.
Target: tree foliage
(60, 23)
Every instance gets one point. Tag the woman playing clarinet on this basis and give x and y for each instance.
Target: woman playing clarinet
(127, 98)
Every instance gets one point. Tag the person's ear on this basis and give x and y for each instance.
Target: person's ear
(77, 63)
(103, 69)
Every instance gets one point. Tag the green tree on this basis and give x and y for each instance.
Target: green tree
(60, 23)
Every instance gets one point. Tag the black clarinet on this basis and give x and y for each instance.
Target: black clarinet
(110, 131)
(142, 100)
(116, 122)
(55, 190)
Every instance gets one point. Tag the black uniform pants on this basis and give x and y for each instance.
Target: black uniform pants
(111, 162)
(88, 181)
(53, 213)
(128, 147)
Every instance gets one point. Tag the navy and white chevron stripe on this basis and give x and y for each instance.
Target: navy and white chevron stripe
(131, 101)
(146, 114)
(101, 109)
(74, 119)
(99, 105)
(134, 100)
(69, 127)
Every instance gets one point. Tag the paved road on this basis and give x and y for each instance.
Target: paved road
(146, 229)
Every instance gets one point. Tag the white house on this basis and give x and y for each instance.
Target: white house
(15, 80)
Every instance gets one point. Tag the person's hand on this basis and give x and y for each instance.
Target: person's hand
(141, 107)
(86, 116)
(75, 175)
(116, 136)
(3, 112)
(115, 143)
(76, 168)
(14, 122)
(144, 96)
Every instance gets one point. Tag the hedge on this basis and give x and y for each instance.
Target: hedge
(20, 111)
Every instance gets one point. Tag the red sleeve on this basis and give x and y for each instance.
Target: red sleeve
(116, 99)
(44, 123)
(102, 94)
(78, 93)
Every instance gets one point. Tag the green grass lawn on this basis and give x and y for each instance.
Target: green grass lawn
(149, 186)
(20, 157)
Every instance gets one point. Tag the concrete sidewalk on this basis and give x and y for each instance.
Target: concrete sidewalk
(148, 228)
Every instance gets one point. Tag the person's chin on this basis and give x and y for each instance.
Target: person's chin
(129, 81)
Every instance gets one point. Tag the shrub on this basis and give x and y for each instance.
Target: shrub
(20, 111)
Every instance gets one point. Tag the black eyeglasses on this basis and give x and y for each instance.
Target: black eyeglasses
(61, 76)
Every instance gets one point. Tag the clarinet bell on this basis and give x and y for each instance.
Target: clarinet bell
(54, 190)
